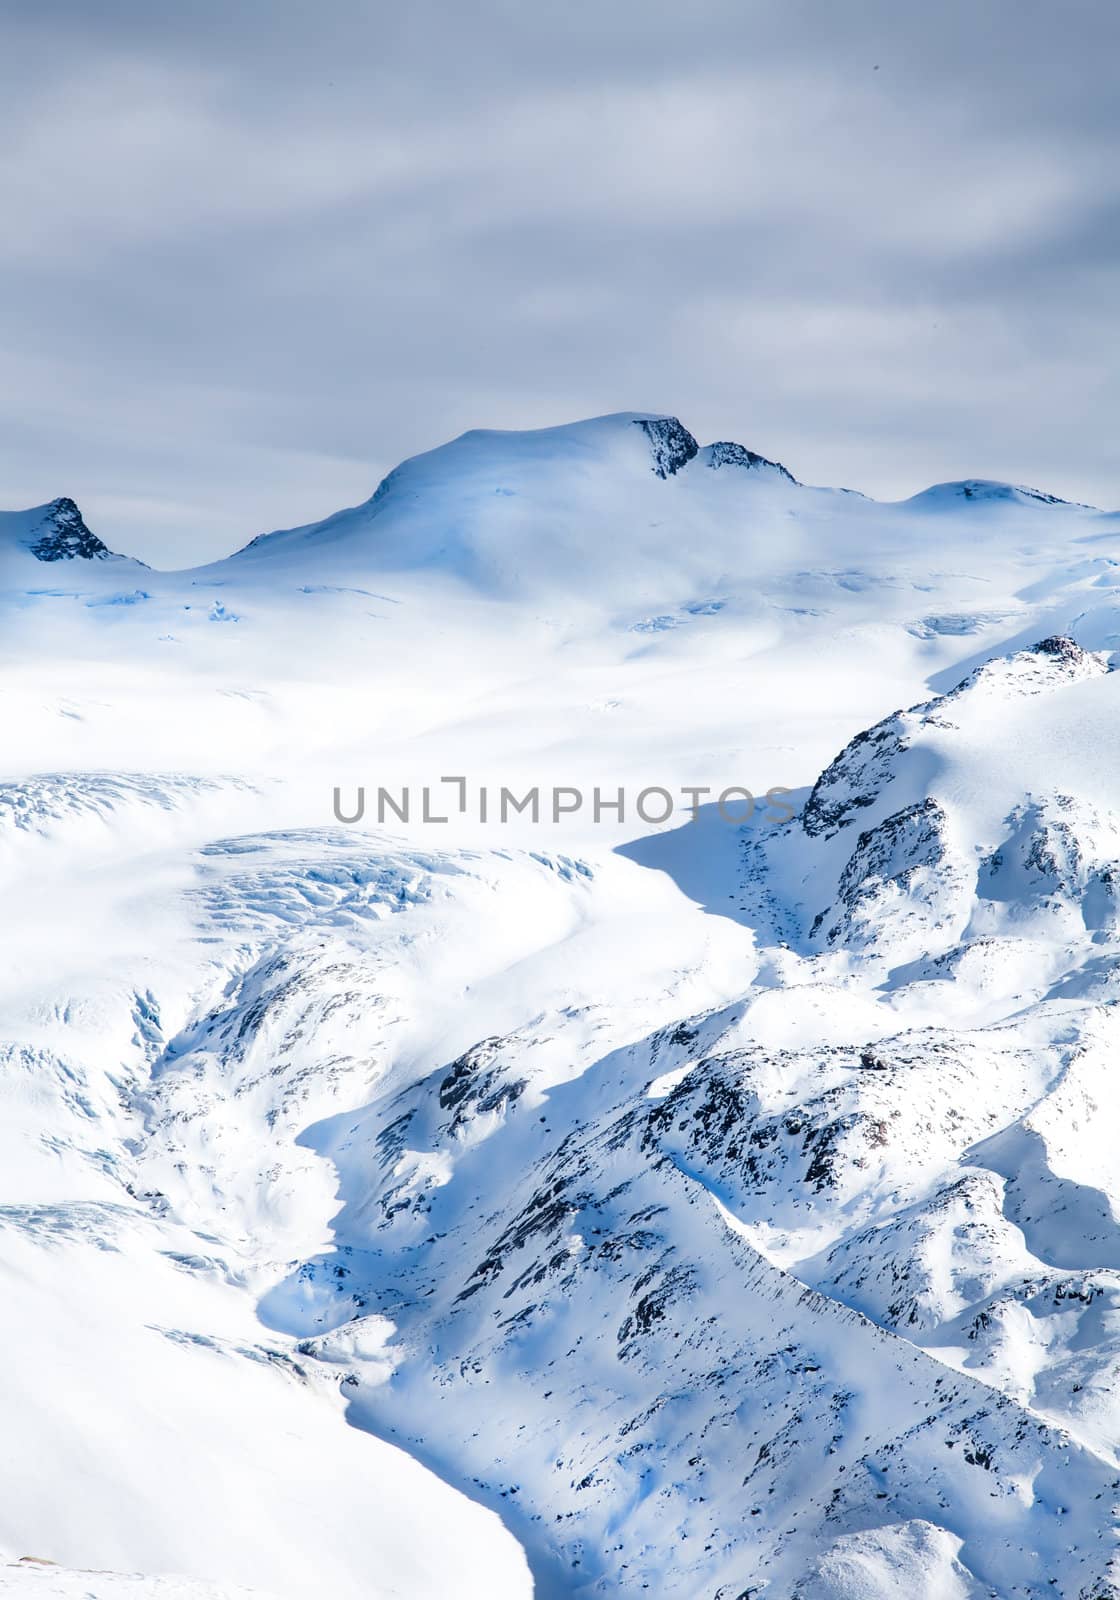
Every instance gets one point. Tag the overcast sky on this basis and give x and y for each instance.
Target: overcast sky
(253, 252)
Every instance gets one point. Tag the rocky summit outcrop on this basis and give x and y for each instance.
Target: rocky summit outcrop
(63, 536)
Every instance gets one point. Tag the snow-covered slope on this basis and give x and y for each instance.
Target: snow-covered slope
(31, 1579)
(694, 1210)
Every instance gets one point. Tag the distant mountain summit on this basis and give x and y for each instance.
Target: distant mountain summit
(671, 444)
(62, 535)
(609, 502)
(605, 505)
(725, 453)
(986, 491)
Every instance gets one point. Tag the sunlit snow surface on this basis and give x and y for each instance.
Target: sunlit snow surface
(702, 1211)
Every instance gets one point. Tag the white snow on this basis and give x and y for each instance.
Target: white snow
(693, 1210)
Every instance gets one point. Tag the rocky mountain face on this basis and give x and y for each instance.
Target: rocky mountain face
(671, 445)
(725, 453)
(63, 536)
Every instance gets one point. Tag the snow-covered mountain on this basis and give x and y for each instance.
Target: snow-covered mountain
(55, 532)
(697, 1210)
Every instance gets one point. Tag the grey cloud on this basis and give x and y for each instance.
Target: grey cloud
(254, 254)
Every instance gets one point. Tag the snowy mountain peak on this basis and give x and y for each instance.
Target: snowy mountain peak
(628, 508)
(60, 534)
(582, 505)
(672, 445)
(1053, 660)
(984, 491)
(725, 453)
(1061, 648)
(857, 777)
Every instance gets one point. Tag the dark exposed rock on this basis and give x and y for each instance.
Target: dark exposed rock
(910, 838)
(725, 453)
(463, 1073)
(671, 444)
(63, 536)
(852, 781)
(661, 1290)
(543, 1218)
(390, 1141)
(1062, 648)
(475, 1084)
